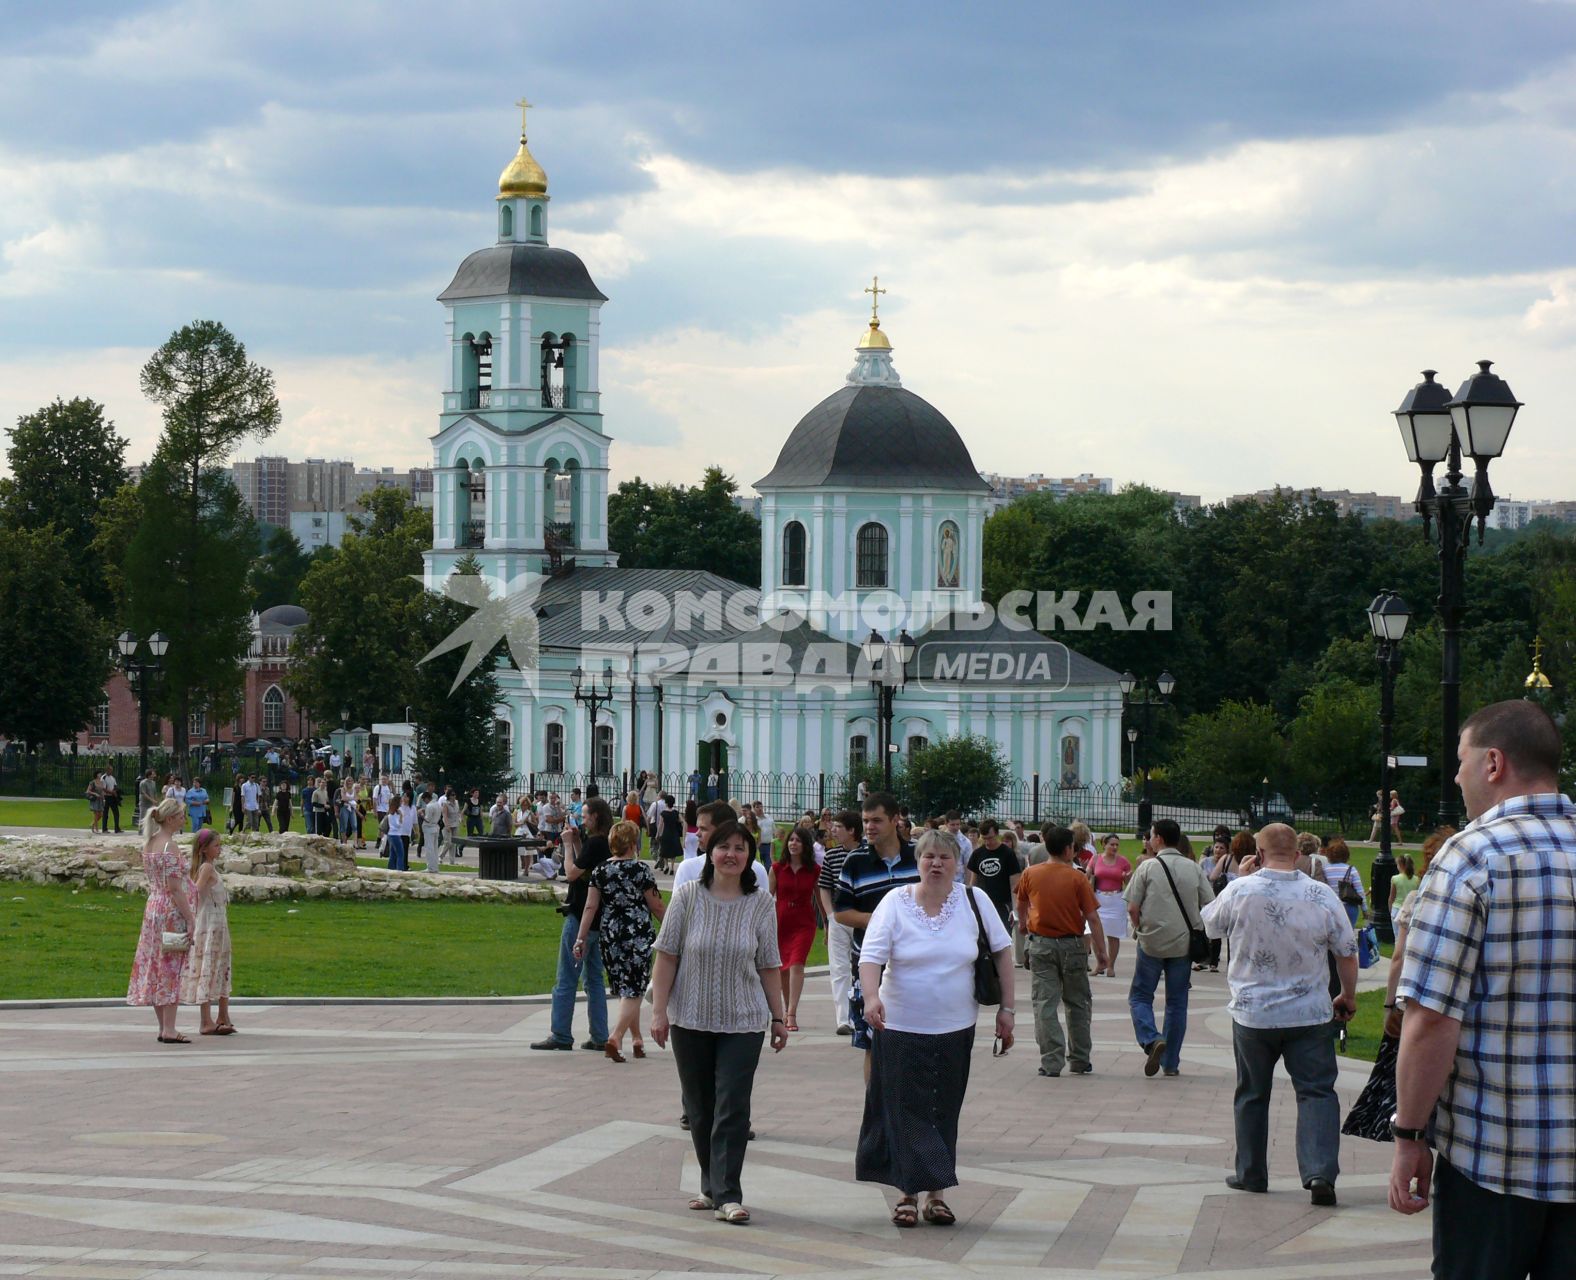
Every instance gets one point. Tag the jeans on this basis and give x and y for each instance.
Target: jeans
(569, 979)
(1178, 972)
(397, 859)
(309, 818)
(839, 959)
(1309, 1055)
(1061, 974)
(198, 817)
(716, 1076)
(1487, 1235)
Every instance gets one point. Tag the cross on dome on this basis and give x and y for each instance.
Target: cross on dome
(524, 107)
(875, 291)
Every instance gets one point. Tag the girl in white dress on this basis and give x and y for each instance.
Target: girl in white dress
(206, 978)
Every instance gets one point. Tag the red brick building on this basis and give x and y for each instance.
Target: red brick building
(267, 709)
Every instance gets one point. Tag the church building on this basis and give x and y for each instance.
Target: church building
(870, 586)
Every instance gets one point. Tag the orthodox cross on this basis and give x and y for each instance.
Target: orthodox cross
(524, 107)
(875, 291)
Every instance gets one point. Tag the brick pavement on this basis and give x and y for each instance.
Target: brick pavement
(387, 1140)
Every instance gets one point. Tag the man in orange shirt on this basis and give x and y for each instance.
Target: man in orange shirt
(1054, 903)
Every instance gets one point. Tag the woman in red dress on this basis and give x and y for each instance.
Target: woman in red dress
(793, 880)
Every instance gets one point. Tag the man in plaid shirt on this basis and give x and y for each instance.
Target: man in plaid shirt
(1489, 981)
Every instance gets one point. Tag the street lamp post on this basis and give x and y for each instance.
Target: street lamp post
(593, 698)
(143, 674)
(1132, 751)
(1158, 697)
(888, 663)
(1435, 428)
(1388, 617)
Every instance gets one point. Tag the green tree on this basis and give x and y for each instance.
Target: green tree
(65, 460)
(190, 582)
(968, 773)
(1224, 754)
(54, 649)
(677, 527)
(1334, 743)
(213, 398)
(276, 575)
(114, 526)
(456, 736)
(364, 631)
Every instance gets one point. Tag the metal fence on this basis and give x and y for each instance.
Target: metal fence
(36, 773)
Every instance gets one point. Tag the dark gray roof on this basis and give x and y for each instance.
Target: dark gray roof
(874, 438)
(282, 617)
(562, 616)
(533, 269)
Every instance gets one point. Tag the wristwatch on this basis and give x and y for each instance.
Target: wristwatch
(1411, 1135)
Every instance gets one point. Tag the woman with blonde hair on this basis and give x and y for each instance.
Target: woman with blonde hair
(1083, 845)
(621, 904)
(156, 971)
(207, 975)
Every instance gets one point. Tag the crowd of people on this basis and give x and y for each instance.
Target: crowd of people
(925, 923)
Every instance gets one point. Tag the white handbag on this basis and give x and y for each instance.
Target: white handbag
(174, 941)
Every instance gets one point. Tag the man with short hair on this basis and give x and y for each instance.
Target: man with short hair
(249, 808)
(1055, 903)
(882, 862)
(1282, 927)
(955, 826)
(768, 832)
(707, 819)
(842, 835)
(578, 870)
(1489, 1032)
(111, 800)
(1164, 898)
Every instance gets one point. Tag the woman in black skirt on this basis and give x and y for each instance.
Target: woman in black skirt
(922, 1011)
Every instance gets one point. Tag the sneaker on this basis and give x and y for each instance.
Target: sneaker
(593, 1045)
(1083, 1068)
(1052, 1074)
(845, 1030)
(1173, 1071)
(550, 1043)
(1322, 1191)
(1156, 1050)
(684, 1123)
(1236, 1184)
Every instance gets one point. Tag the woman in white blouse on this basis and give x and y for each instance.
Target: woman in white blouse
(716, 986)
(922, 1009)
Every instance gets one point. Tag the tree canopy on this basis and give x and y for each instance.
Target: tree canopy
(677, 527)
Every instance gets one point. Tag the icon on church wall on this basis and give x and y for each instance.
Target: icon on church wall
(947, 560)
(1070, 770)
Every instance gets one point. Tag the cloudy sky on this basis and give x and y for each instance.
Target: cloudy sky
(1206, 246)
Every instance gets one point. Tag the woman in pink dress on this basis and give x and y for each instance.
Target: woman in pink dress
(793, 878)
(206, 978)
(156, 973)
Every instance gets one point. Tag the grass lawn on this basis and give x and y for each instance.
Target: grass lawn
(63, 943)
(53, 813)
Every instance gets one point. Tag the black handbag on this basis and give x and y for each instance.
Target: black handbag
(1197, 939)
(987, 981)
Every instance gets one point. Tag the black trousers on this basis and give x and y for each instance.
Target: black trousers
(717, 1076)
(1484, 1235)
(112, 810)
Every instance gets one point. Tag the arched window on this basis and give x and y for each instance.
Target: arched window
(604, 751)
(871, 550)
(793, 554)
(273, 710)
(536, 221)
(858, 751)
(917, 743)
(553, 749)
(506, 222)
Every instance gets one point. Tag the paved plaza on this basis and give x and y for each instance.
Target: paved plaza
(424, 1140)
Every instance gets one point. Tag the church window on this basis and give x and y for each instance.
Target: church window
(555, 380)
(604, 750)
(917, 743)
(273, 710)
(858, 751)
(555, 748)
(871, 550)
(506, 223)
(503, 735)
(793, 554)
(101, 719)
(536, 221)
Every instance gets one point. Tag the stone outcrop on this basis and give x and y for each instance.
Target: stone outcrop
(255, 868)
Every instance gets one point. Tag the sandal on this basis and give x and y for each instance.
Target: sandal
(791, 1022)
(702, 1202)
(639, 1049)
(224, 1029)
(177, 1038)
(734, 1214)
(937, 1213)
(611, 1050)
(906, 1212)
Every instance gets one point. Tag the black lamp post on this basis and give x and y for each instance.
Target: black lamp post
(1132, 738)
(1436, 427)
(1152, 698)
(594, 699)
(888, 665)
(1388, 617)
(143, 674)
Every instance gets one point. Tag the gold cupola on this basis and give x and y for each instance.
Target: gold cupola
(523, 177)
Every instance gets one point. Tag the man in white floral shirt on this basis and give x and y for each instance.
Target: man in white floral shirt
(1281, 926)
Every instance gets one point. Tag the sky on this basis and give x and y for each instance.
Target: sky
(1206, 247)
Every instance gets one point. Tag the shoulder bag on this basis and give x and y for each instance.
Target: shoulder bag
(1197, 939)
(987, 981)
(1348, 893)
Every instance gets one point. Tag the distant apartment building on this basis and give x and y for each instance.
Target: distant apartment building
(1005, 489)
(1367, 506)
(280, 492)
(1513, 513)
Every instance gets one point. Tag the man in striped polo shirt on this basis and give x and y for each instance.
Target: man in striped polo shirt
(842, 838)
(881, 863)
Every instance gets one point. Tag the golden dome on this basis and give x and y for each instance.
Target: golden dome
(523, 177)
(873, 339)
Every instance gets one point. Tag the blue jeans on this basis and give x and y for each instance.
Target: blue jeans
(397, 860)
(569, 980)
(1178, 972)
